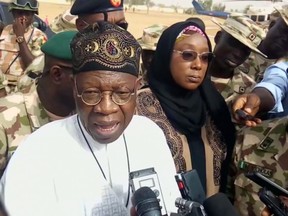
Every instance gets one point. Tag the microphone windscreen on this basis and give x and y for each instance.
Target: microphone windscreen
(145, 202)
(219, 205)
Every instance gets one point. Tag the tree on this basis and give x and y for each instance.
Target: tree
(218, 7)
(207, 4)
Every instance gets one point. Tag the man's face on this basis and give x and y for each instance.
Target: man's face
(275, 43)
(229, 52)
(107, 120)
(24, 16)
(115, 17)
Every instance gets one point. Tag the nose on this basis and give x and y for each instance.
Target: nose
(197, 63)
(106, 106)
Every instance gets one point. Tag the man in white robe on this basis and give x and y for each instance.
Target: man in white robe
(80, 166)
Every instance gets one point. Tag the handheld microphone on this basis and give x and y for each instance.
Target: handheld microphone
(219, 205)
(187, 207)
(145, 202)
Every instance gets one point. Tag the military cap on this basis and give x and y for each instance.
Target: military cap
(64, 22)
(150, 37)
(105, 46)
(58, 46)
(95, 6)
(244, 30)
(30, 5)
(283, 12)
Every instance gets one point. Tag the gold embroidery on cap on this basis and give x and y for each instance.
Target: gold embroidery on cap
(111, 48)
(252, 36)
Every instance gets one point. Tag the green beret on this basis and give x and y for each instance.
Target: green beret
(58, 46)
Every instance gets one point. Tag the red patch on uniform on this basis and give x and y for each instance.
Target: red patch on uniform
(115, 3)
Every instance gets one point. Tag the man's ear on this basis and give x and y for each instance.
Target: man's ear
(138, 83)
(217, 37)
(56, 74)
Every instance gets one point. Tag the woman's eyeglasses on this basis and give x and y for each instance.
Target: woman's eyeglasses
(191, 55)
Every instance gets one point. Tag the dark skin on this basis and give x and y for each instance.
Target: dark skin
(84, 20)
(229, 54)
(105, 121)
(275, 43)
(22, 20)
(260, 100)
(55, 87)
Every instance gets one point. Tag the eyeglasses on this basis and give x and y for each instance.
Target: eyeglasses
(122, 24)
(22, 3)
(93, 96)
(191, 55)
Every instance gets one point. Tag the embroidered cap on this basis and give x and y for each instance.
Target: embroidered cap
(95, 6)
(283, 12)
(105, 46)
(150, 37)
(244, 30)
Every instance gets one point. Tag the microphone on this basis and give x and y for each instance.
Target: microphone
(187, 207)
(145, 202)
(219, 205)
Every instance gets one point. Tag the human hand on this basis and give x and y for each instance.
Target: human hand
(19, 26)
(265, 212)
(245, 107)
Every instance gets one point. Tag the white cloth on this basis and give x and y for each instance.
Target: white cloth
(53, 172)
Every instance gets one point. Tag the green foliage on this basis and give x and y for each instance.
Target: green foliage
(207, 4)
(218, 7)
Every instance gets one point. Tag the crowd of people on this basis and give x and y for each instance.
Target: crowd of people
(82, 110)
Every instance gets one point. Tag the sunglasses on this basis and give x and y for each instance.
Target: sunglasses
(122, 24)
(191, 55)
(22, 3)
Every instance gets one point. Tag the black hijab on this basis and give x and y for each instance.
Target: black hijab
(186, 110)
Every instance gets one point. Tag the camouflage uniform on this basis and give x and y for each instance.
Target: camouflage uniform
(255, 66)
(11, 65)
(149, 41)
(63, 22)
(232, 87)
(20, 115)
(264, 149)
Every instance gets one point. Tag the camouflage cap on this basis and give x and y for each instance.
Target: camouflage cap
(283, 12)
(244, 30)
(64, 22)
(150, 36)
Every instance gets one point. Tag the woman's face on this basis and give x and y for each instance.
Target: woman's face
(185, 70)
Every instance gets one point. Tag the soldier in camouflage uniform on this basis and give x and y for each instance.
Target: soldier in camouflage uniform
(148, 42)
(50, 98)
(63, 22)
(234, 43)
(264, 149)
(21, 44)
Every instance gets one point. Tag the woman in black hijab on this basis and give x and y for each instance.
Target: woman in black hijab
(184, 103)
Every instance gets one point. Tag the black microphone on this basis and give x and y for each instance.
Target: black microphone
(145, 202)
(219, 205)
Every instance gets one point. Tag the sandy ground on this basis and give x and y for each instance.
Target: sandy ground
(137, 20)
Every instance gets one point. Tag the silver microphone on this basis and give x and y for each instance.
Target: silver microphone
(185, 207)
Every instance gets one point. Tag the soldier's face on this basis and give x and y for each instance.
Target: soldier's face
(25, 17)
(115, 17)
(229, 52)
(105, 121)
(275, 43)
